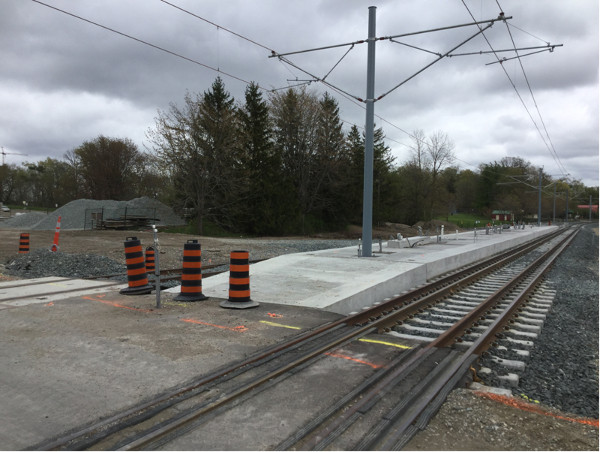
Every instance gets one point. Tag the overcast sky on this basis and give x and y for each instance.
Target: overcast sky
(64, 81)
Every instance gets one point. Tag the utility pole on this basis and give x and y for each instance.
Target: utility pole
(567, 213)
(540, 199)
(367, 221)
(590, 206)
(554, 205)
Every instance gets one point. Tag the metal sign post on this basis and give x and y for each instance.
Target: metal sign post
(157, 267)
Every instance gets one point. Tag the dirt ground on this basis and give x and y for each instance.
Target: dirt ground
(111, 244)
(467, 421)
(215, 251)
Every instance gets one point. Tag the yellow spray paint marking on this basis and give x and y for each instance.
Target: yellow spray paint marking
(57, 284)
(172, 303)
(529, 399)
(373, 341)
(280, 325)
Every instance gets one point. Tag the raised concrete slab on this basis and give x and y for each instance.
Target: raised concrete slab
(43, 290)
(339, 281)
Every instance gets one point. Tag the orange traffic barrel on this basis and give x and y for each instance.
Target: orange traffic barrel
(191, 277)
(239, 282)
(24, 243)
(150, 260)
(54, 246)
(137, 278)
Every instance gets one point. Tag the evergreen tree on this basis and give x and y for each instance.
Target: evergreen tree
(197, 147)
(355, 156)
(327, 177)
(295, 114)
(263, 209)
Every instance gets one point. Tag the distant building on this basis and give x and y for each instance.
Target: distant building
(503, 215)
(587, 207)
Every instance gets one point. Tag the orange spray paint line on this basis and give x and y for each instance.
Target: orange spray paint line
(238, 329)
(350, 358)
(526, 406)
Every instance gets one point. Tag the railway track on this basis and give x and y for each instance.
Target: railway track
(449, 323)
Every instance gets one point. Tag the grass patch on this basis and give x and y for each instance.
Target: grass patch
(465, 220)
(210, 229)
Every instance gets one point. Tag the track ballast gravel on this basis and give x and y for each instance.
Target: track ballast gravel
(563, 369)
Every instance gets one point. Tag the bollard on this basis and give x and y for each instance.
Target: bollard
(239, 282)
(54, 246)
(137, 279)
(191, 278)
(150, 260)
(24, 243)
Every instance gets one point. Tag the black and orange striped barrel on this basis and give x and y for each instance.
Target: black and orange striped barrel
(239, 276)
(137, 278)
(239, 282)
(24, 243)
(150, 260)
(191, 276)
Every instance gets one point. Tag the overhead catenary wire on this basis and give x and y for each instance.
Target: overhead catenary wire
(433, 62)
(341, 92)
(218, 70)
(144, 42)
(216, 25)
(551, 148)
(548, 47)
(504, 60)
(510, 79)
(141, 41)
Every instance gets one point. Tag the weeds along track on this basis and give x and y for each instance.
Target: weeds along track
(448, 323)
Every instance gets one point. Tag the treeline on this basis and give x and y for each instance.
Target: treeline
(279, 165)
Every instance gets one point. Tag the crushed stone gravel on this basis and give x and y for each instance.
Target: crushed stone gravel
(42, 263)
(563, 369)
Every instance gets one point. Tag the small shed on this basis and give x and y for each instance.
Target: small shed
(502, 215)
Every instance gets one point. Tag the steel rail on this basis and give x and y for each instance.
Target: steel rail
(356, 319)
(420, 298)
(539, 267)
(443, 378)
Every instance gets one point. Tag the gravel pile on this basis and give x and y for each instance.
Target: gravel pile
(77, 214)
(25, 221)
(43, 262)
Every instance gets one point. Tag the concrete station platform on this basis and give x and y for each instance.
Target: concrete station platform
(82, 357)
(337, 280)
